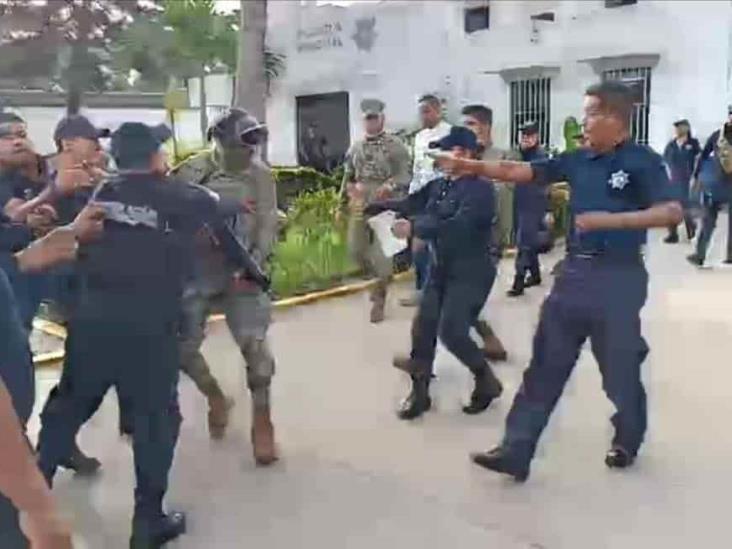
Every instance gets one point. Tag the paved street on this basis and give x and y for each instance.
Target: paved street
(354, 477)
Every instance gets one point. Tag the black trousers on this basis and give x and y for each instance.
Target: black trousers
(450, 306)
(140, 360)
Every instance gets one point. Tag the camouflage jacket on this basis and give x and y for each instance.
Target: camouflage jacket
(503, 226)
(374, 161)
(255, 184)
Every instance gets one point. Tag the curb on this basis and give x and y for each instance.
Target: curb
(56, 330)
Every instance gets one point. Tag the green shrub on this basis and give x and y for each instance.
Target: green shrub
(313, 253)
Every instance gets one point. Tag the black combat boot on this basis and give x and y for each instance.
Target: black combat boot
(155, 533)
(500, 461)
(487, 388)
(534, 279)
(618, 458)
(81, 464)
(518, 286)
(418, 401)
(673, 236)
(695, 260)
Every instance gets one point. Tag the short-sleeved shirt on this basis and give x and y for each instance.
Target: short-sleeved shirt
(630, 178)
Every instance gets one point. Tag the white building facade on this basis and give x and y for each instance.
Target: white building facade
(526, 59)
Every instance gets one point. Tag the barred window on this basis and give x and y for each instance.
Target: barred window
(530, 102)
(638, 80)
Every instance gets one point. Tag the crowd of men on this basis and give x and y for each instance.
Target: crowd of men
(137, 255)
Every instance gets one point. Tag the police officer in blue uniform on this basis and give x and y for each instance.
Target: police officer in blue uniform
(680, 155)
(716, 188)
(16, 365)
(530, 203)
(454, 216)
(618, 190)
(124, 327)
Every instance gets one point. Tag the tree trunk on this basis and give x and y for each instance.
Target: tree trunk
(203, 105)
(251, 78)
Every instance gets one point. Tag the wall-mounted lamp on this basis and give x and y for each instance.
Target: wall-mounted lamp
(545, 16)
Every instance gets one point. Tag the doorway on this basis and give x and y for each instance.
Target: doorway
(323, 133)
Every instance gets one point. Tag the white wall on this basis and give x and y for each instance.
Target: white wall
(421, 47)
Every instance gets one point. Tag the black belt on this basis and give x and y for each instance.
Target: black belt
(607, 254)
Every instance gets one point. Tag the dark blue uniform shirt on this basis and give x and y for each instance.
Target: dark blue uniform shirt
(455, 217)
(531, 198)
(628, 179)
(681, 159)
(16, 366)
(139, 266)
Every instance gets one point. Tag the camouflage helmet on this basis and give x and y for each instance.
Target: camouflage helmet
(236, 127)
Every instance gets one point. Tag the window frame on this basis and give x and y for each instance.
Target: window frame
(538, 92)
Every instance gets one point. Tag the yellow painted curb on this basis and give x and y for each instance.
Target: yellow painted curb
(56, 330)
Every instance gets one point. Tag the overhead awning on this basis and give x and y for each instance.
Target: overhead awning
(510, 74)
(624, 61)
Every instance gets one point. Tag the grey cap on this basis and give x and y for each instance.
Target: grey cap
(236, 127)
(371, 107)
(75, 126)
(7, 119)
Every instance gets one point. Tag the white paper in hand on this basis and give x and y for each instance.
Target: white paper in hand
(381, 225)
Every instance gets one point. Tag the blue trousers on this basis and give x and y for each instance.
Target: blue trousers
(600, 299)
(709, 222)
(422, 261)
(141, 361)
(449, 307)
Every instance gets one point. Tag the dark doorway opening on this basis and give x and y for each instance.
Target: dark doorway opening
(323, 133)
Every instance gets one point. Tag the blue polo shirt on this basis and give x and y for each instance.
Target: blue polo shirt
(630, 178)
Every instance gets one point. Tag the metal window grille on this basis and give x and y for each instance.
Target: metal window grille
(530, 102)
(639, 80)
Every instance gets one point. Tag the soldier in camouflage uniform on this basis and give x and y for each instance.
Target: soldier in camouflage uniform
(376, 167)
(233, 170)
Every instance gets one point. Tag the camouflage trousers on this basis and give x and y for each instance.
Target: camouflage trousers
(365, 250)
(247, 316)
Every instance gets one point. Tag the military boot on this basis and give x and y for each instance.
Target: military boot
(155, 533)
(418, 401)
(493, 349)
(410, 365)
(534, 278)
(219, 410)
(518, 286)
(378, 301)
(263, 439)
(81, 464)
(487, 388)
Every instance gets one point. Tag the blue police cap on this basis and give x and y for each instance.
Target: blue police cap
(459, 136)
(529, 128)
(76, 125)
(137, 139)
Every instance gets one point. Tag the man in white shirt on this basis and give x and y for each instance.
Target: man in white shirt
(434, 128)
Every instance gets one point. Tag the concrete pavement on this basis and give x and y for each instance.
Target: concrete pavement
(353, 476)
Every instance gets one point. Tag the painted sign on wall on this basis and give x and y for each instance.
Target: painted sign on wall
(320, 37)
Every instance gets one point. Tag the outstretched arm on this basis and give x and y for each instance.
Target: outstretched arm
(501, 170)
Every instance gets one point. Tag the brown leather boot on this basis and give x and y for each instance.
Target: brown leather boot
(263, 441)
(378, 299)
(493, 349)
(411, 366)
(219, 409)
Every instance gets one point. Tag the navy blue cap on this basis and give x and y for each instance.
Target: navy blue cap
(459, 136)
(7, 119)
(682, 121)
(138, 139)
(75, 126)
(529, 128)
